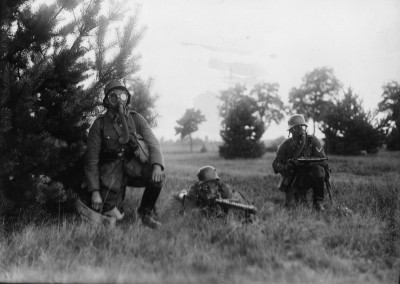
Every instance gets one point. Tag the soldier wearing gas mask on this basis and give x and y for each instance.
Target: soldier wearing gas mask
(298, 178)
(122, 151)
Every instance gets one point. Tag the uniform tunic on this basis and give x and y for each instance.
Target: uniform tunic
(111, 176)
(202, 194)
(311, 176)
(312, 149)
(200, 191)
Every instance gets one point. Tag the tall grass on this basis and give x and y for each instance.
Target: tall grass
(281, 246)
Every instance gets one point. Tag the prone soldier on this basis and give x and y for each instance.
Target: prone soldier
(210, 196)
(298, 177)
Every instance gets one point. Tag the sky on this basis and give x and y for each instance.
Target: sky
(193, 49)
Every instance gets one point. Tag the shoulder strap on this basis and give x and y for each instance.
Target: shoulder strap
(101, 119)
(303, 143)
(135, 123)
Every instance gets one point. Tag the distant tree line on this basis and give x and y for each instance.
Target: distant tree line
(338, 113)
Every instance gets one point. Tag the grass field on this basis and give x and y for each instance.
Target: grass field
(282, 246)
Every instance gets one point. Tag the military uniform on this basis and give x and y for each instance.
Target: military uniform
(202, 196)
(303, 177)
(111, 166)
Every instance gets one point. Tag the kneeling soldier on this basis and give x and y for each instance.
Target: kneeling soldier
(122, 151)
(302, 163)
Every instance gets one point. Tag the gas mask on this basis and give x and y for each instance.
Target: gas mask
(298, 131)
(117, 99)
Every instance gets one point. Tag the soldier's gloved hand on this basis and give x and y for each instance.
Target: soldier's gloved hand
(157, 175)
(96, 200)
(292, 163)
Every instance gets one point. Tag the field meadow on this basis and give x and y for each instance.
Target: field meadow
(281, 246)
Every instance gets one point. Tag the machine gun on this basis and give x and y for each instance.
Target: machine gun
(250, 209)
(308, 162)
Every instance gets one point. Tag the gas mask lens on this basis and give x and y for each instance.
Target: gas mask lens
(123, 97)
(299, 129)
(114, 97)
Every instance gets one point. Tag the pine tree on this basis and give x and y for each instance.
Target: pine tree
(55, 61)
(142, 101)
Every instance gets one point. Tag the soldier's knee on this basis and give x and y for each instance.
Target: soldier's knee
(154, 184)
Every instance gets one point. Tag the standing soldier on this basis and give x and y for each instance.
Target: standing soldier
(122, 151)
(297, 178)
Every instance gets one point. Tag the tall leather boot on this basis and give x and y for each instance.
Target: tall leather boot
(318, 194)
(147, 205)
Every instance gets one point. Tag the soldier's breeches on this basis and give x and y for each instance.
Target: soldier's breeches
(312, 177)
(112, 198)
(112, 185)
(317, 175)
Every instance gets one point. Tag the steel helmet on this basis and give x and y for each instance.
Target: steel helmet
(207, 173)
(296, 119)
(112, 85)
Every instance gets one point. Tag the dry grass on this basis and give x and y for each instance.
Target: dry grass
(295, 246)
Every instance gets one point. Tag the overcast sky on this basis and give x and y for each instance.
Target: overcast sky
(193, 49)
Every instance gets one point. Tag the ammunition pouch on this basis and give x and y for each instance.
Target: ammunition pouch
(140, 149)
